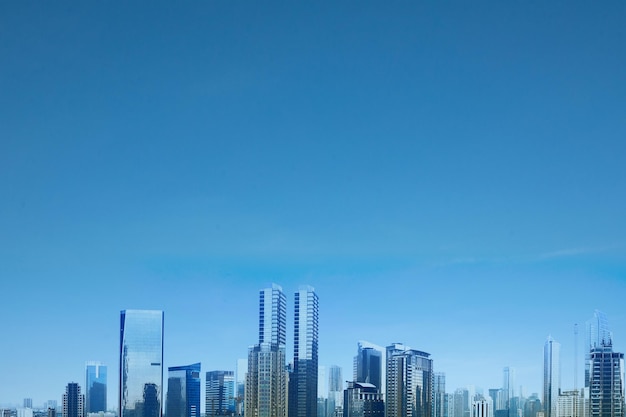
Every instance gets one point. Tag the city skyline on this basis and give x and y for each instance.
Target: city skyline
(446, 176)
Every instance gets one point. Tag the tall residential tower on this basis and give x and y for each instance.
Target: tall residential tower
(303, 379)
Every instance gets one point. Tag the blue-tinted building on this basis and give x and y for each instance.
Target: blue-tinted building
(220, 393)
(183, 391)
(95, 387)
(141, 363)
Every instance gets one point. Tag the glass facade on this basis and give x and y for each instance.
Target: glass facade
(409, 382)
(73, 401)
(183, 391)
(220, 393)
(141, 363)
(95, 387)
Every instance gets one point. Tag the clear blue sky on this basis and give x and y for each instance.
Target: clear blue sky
(448, 175)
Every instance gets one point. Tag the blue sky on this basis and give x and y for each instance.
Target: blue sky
(447, 175)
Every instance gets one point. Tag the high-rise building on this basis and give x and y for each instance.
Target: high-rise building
(334, 405)
(28, 403)
(303, 379)
(409, 382)
(362, 399)
(598, 334)
(606, 382)
(141, 363)
(95, 387)
(482, 408)
(508, 390)
(364, 344)
(571, 404)
(266, 389)
(551, 377)
(73, 401)
(439, 394)
(368, 366)
(532, 406)
(183, 391)
(220, 393)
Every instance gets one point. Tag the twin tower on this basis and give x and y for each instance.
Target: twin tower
(273, 388)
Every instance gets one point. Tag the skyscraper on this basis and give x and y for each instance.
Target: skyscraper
(220, 393)
(95, 387)
(598, 335)
(73, 401)
(606, 382)
(364, 344)
(141, 363)
(368, 366)
(551, 377)
(508, 390)
(409, 382)
(439, 394)
(266, 389)
(303, 380)
(335, 391)
(183, 391)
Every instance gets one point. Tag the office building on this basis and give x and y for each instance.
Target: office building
(28, 403)
(362, 399)
(368, 366)
(183, 391)
(606, 382)
(141, 363)
(220, 393)
(334, 405)
(266, 389)
(551, 377)
(409, 382)
(73, 401)
(571, 404)
(598, 334)
(95, 387)
(532, 406)
(439, 394)
(364, 344)
(303, 379)
(482, 408)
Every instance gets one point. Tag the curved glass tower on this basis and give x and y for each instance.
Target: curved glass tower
(141, 363)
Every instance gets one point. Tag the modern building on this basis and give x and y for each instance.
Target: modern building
(409, 382)
(598, 334)
(551, 377)
(95, 387)
(571, 404)
(362, 399)
(266, 380)
(439, 395)
(183, 391)
(303, 379)
(28, 403)
(482, 408)
(220, 393)
(141, 363)
(532, 406)
(364, 344)
(606, 382)
(368, 366)
(334, 405)
(508, 390)
(73, 401)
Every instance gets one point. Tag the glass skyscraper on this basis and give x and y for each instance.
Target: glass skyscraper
(183, 391)
(551, 377)
(598, 334)
(303, 379)
(220, 393)
(141, 363)
(606, 382)
(409, 382)
(95, 387)
(266, 381)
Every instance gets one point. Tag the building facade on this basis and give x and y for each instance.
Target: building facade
(141, 363)
(266, 380)
(73, 401)
(368, 366)
(95, 387)
(183, 391)
(439, 395)
(220, 393)
(598, 334)
(362, 399)
(606, 382)
(303, 379)
(409, 382)
(551, 377)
